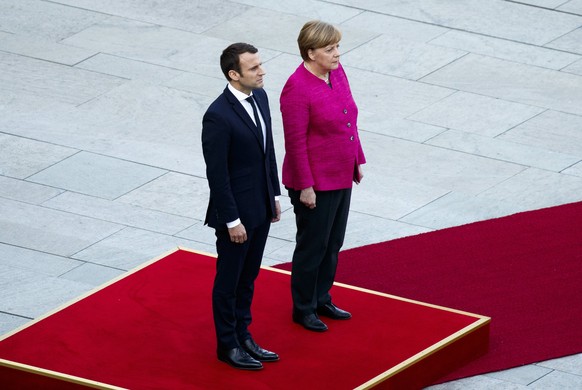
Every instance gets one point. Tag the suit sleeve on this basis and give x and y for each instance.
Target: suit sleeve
(274, 174)
(216, 140)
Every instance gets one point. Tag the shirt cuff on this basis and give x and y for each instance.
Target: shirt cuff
(234, 223)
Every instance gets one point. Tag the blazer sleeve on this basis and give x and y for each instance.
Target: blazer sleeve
(295, 114)
(216, 139)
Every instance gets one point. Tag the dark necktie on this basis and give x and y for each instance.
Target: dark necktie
(257, 120)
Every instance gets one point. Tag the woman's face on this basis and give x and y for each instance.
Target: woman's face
(326, 58)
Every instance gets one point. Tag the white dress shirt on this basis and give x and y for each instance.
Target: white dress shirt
(241, 96)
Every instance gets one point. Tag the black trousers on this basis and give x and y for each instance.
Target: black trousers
(320, 236)
(237, 267)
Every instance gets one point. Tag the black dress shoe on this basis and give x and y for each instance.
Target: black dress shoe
(310, 322)
(238, 358)
(257, 352)
(332, 311)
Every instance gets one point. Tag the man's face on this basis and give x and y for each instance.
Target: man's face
(252, 72)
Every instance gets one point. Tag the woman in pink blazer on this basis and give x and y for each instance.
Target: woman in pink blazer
(323, 156)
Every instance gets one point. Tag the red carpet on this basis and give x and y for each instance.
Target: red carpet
(524, 271)
(153, 329)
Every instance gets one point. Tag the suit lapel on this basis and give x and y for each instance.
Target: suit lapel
(243, 114)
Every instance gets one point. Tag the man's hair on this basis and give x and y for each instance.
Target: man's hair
(230, 58)
(316, 34)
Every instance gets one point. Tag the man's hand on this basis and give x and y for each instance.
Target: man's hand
(238, 234)
(307, 197)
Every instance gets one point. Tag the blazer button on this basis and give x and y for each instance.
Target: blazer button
(352, 138)
(345, 110)
(349, 124)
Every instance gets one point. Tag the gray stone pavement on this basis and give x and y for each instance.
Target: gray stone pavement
(469, 110)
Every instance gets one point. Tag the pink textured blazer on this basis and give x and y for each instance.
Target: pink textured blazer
(322, 146)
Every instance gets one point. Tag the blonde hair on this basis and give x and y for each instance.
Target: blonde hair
(316, 34)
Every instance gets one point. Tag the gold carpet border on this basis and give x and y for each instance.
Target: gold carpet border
(481, 321)
(62, 376)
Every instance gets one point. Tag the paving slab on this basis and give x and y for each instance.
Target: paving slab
(575, 68)
(19, 108)
(395, 26)
(26, 192)
(312, 9)
(552, 130)
(359, 233)
(503, 19)
(478, 114)
(97, 175)
(406, 129)
(571, 42)
(430, 166)
(30, 294)
(392, 197)
(50, 231)
(573, 6)
(278, 251)
(400, 57)
(9, 322)
(519, 83)
(536, 189)
(36, 261)
(92, 274)
(570, 364)
(544, 3)
(129, 69)
(479, 382)
(575, 170)
(22, 157)
(504, 150)
(506, 50)
(458, 208)
(45, 19)
(196, 16)
(389, 96)
(153, 44)
(558, 380)
(174, 194)
(256, 25)
(199, 84)
(523, 375)
(131, 247)
(200, 233)
(65, 84)
(138, 122)
(119, 213)
(44, 49)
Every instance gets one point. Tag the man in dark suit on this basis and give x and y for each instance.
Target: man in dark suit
(237, 143)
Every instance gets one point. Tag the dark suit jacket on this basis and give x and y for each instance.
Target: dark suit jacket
(242, 177)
